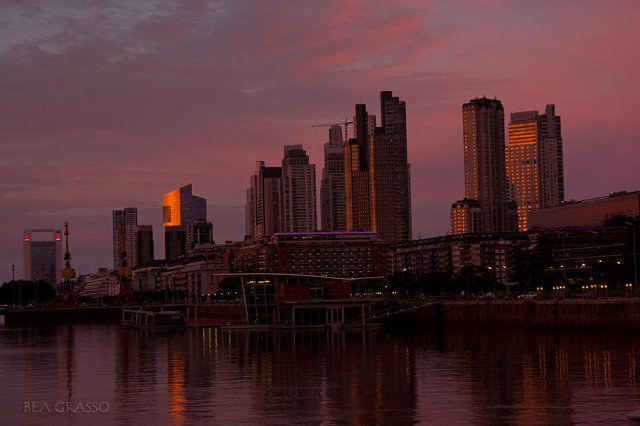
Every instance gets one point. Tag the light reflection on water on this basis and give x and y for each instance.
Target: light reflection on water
(419, 376)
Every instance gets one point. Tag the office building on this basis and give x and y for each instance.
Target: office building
(144, 245)
(42, 255)
(484, 163)
(534, 163)
(125, 224)
(332, 191)
(298, 213)
(180, 208)
(377, 182)
(262, 211)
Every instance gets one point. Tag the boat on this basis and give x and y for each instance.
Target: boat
(153, 320)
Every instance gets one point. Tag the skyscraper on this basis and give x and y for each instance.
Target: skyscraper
(125, 223)
(377, 182)
(298, 191)
(144, 245)
(332, 192)
(262, 211)
(484, 164)
(534, 163)
(42, 258)
(180, 208)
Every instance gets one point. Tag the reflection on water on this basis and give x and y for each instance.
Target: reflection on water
(418, 376)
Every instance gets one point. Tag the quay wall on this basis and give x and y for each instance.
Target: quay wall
(197, 314)
(563, 313)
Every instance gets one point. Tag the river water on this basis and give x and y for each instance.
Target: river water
(101, 374)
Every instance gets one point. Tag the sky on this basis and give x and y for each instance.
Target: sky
(109, 104)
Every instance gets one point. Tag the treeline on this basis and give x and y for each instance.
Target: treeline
(24, 293)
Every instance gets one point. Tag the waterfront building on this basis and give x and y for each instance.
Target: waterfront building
(144, 245)
(590, 212)
(332, 190)
(180, 208)
(298, 212)
(377, 182)
(264, 199)
(42, 255)
(125, 224)
(484, 163)
(494, 254)
(103, 283)
(534, 162)
(337, 254)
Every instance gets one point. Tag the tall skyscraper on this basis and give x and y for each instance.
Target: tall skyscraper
(42, 258)
(332, 192)
(356, 173)
(180, 208)
(534, 162)
(484, 164)
(262, 211)
(377, 182)
(144, 245)
(125, 224)
(298, 191)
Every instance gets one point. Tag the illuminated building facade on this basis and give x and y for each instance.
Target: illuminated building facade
(298, 213)
(377, 182)
(180, 208)
(42, 258)
(125, 224)
(466, 217)
(332, 190)
(484, 163)
(534, 162)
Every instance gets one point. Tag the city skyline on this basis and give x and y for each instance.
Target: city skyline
(131, 101)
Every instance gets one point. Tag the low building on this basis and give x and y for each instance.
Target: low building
(103, 283)
(592, 212)
(337, 254)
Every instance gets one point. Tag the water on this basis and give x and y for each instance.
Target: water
(422, 376)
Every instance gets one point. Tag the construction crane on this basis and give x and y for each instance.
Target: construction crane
(345, 123)
(68, 273)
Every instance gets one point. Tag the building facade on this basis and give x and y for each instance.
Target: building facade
(298, 213)
(591, 212)
(534, 162)
(264, 199)
(332, 189)
(377, 182)
(466, 217)
(484, 163)
(144, 245)
(180, 208)
(42, 255)
(125, 223)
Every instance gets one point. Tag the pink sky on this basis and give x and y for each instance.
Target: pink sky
(108, 105)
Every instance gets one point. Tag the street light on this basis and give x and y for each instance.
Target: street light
(635, 264)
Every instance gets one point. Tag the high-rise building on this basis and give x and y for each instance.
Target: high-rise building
(199, 235)
(125, 224)
(484, 164)
(298, 191)
(377, 182)
(534, 163)
(262, 211)
(466, 217)
(332, 192)
(356, 173)
(42, 258)
(180, 208)
(144, 245)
